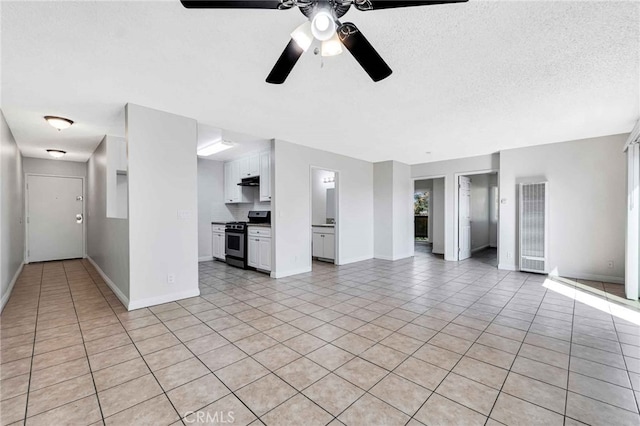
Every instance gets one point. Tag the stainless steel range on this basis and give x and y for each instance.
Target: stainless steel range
(236, 244)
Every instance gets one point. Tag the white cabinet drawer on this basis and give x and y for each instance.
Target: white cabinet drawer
(217, 228)
(323, 229)
(259, 231)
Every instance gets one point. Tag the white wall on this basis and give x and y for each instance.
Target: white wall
(211, 205)
(55, 167)
(393, 210)
(587, 204)
(437, 216)
(449, 169)
(632, 265)
(11, 212)
(291, 214)
(479, 211)
(107, 238)
(319, 195)
(403, 240)
(163, 206)
(383, 210)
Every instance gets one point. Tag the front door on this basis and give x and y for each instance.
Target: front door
(464, 218)
(54, 218)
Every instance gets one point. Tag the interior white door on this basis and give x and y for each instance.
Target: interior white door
(464, 218)
(54, 218)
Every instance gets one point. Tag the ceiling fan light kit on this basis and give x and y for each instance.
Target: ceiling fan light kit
(323, 24)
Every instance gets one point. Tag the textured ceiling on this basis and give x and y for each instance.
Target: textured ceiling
(469, 79)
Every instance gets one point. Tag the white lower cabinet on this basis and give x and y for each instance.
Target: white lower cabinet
(324, 243)
(218, 242)
(259, 251)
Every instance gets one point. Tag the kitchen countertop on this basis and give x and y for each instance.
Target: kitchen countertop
(260, 225)
(326, 225)
(218, 223)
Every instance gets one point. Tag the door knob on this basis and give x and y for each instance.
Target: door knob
(78, 218)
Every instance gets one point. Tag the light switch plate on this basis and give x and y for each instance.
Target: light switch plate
(184, 214)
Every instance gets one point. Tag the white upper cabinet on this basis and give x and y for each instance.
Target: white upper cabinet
(233, 193)
(250, 166)
(265, 176)
(258, 164)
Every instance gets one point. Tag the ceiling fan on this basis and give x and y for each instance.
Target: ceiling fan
(323, 25)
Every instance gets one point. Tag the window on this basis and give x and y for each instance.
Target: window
(421, 213)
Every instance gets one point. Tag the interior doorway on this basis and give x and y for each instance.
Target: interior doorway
(324, 217)
(55, 217)
(478, 216)
(428, 219)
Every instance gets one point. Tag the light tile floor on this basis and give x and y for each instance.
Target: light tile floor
(419, 341)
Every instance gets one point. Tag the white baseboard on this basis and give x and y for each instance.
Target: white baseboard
(205, 258)
(354, 260)
(393, 258)
(119, 294)
(285, 274)
(590, 277)
(7, 295)
(479, 248)
(506, 267)
(165, 298)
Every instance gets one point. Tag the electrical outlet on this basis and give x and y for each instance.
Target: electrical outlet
(171, 279)
(509, 256)
(610, 264)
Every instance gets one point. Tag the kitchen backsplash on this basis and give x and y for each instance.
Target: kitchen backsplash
(240, 212)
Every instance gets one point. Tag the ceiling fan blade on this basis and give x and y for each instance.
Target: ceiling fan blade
(233, 4)
(363, 51)
(285, 63)
(365, 5)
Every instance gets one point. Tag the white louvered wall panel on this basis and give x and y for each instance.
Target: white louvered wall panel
(533, 220)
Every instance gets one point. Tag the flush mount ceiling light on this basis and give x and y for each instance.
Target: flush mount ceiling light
(323, 19)
(59, 123)
(215, 148)
(56, 153)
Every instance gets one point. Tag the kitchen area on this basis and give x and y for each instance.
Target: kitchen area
(234, 199)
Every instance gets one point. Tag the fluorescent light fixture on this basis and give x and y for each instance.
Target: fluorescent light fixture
(215, 148)
(56, 153)
(332, 47)
(323, 26)
(302, 36)
(59, 123)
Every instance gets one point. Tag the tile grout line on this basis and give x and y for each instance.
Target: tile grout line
(73, 302)
(514, 360)
(466, 351)
(141, 356)
(35, 334)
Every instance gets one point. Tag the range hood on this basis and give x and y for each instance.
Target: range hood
(251, 181)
